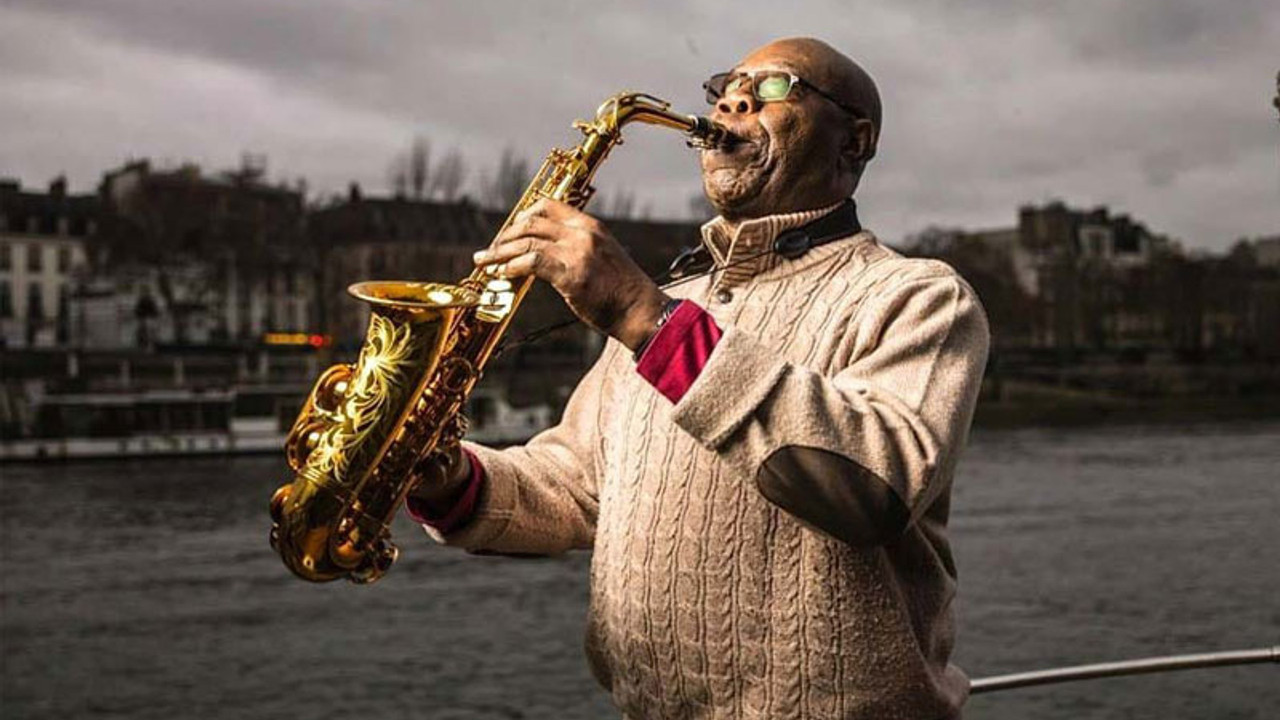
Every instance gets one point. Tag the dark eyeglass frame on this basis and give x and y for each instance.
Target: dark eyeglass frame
(716, 84)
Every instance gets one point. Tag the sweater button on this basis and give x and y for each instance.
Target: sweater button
(724, 297)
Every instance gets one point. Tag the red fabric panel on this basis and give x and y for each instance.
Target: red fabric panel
(676, 353)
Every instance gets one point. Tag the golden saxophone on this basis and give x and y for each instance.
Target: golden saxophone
(365, 427)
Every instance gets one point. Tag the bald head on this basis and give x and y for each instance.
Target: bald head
(827, 68)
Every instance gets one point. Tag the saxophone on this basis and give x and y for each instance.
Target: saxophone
(366, 427)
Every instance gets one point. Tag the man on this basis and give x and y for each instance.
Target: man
(763, 466)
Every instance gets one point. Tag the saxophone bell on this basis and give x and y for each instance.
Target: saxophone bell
(333, 519)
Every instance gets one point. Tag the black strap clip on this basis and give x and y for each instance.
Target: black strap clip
(792, 244)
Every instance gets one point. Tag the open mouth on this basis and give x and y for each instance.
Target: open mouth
(740, 150)
(737, 142)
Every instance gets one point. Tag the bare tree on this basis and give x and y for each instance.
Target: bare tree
(504, 188)
(1276, 100)
(398, 174)
(410, 170)
(447, 176)
(419, 166)
(622, 205)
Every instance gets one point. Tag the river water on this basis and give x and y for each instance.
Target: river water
(146, 589)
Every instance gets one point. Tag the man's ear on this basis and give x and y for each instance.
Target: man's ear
(861, 143)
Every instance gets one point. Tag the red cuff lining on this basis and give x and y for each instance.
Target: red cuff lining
(678, 351)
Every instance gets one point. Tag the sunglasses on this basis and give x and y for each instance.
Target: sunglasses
(766, 86)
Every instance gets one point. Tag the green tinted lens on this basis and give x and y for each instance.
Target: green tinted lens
(734, 84)
(773, 87)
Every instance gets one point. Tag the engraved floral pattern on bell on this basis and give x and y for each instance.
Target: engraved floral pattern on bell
(379, 370)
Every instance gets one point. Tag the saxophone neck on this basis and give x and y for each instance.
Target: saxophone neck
(625, 108)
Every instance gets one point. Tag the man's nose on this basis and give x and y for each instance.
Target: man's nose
(740, 101)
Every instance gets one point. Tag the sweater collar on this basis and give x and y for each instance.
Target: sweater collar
(752, 238)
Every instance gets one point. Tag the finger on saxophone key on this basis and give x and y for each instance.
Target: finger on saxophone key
(484, 259)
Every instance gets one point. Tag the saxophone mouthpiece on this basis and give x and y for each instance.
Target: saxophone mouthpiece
(709, 135)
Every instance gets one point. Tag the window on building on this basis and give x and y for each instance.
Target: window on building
(35, 259)
(64, 259)
(63, 328)
(6, 256)
(6, 300)
(35, 302)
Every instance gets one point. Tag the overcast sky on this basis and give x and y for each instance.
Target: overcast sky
(1159, 109)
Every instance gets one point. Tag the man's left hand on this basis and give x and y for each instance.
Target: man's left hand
(585, 263)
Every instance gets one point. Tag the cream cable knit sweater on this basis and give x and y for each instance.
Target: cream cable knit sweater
(773, 546)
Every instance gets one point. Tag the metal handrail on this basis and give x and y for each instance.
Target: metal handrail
(1140, 666)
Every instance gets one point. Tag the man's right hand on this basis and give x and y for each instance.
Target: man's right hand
(441, 480)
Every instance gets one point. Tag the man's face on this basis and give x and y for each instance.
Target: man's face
(790, 155)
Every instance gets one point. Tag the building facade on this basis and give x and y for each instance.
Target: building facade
(1267, 250)
(196, 259)
(43, 259)
(1070, 281)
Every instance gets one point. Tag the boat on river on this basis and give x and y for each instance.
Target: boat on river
(244, 419)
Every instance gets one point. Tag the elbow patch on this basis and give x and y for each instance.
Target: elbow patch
(834, 494)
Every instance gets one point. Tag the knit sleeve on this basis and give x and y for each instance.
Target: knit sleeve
(542, 497)
(859, 452)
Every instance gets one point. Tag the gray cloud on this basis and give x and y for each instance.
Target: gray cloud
(1159, 107)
